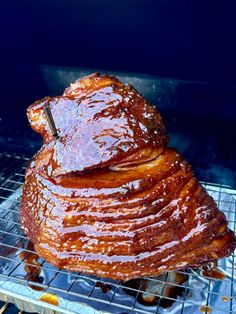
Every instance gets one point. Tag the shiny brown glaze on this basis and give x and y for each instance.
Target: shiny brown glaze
(109, 197)
(101, 127)
(50, 298)
(214, 273)
(32, 267)
(225, 298)
(205, 309)
(151, 290)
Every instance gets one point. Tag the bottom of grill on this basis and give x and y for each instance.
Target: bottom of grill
(36, 286)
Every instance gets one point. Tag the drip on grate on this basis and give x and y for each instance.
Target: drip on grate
(190, 290)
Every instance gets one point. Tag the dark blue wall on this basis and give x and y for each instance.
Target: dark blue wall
(177, 38)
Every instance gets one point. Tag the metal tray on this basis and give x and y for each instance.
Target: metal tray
(25, 277)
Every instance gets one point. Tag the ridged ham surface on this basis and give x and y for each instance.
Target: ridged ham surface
(109, 197)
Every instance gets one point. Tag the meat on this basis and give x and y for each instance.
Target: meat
(109, 197)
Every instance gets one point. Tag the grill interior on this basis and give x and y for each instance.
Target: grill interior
(23, 270)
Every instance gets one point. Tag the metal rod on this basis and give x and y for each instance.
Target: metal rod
(3, 308)
(48, 113)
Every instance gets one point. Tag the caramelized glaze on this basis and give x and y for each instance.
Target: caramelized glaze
(32, 267)
(104, 287)
(214, 273)
(151, 290)
(50, 298)
(109, 197)
(205, 309)
(225, 299)
(101, 127)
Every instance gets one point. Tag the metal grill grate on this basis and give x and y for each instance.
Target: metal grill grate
(21, 267)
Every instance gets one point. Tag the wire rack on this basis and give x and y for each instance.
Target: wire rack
(20, 264)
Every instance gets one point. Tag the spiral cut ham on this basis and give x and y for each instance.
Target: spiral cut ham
(109, 197)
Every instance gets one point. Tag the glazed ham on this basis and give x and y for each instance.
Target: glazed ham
(109, 197)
